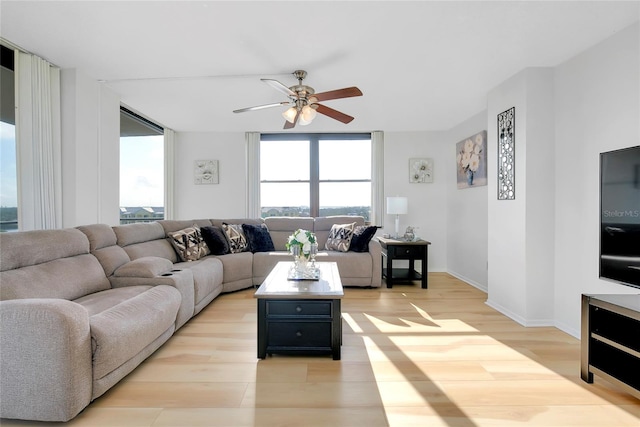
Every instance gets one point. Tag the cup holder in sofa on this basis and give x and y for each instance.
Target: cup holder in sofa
(170, 273)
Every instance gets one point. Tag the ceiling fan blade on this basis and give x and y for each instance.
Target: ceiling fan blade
(260, 107)
(279, 87)
(289, 125)
(334, 114)
(347, 92)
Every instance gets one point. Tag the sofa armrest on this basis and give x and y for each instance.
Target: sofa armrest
(45, 359)
(149, 266)
(375, 249)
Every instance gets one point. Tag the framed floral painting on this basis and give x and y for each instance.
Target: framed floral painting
(420, 170)
(471, 161)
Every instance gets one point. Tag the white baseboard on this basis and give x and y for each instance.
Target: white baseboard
(567, 329)
(521, 320)
(483, 288)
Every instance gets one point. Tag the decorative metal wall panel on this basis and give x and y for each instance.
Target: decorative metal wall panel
(507, 155)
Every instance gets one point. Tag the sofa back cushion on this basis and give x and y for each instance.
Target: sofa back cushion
(281, 227)
(252, 221)
(48, 264)
(322, 226)
(171, 225)
(145, 239)
(103, 245)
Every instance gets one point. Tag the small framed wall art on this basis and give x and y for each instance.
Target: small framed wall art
(420, 170)
(206, 171)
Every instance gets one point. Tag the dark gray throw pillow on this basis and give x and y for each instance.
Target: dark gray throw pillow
(215, 238)
(362, 235)
(258, 238)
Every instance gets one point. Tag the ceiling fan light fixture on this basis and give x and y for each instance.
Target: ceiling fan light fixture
(290, 114)
(302, 121)
(307, 116)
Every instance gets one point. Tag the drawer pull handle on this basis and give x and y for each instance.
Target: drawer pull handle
(407, 251)
(298, 334)
(298, 309)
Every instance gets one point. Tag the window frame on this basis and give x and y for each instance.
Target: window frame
(314, 181)
(8, 61)
(140, 126)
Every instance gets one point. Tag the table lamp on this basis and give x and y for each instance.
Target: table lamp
(397, 206)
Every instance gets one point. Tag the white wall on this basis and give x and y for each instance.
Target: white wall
(506, 218)
(521, 249)
(597, 109)
(228, 199)
(466, 225)
(90, 151)
(427, 202)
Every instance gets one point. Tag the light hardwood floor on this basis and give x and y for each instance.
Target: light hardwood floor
(410, 357)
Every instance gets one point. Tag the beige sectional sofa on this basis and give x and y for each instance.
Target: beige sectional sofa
(81, 308)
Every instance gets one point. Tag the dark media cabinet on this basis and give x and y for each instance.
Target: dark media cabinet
(610, 340)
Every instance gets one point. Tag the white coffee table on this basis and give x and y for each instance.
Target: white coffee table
(300, 316)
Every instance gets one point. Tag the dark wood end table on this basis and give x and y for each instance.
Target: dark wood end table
(394, 249)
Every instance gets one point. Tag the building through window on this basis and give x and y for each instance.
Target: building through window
(315, 175)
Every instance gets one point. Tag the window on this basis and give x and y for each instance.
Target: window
(8, 158)
(141, 169)
(315, 175)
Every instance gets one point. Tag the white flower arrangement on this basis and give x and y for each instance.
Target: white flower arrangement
(302, 238)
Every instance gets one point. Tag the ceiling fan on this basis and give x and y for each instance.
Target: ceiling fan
(303, 102)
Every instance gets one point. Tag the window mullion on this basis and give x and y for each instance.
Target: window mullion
(314, 190)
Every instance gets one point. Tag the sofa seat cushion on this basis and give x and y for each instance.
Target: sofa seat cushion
(350, 264)
(237, 267)
(123, 321)
(207, 276)
(264, 262)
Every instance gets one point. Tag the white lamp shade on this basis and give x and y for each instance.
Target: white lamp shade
(397, 205)
(307, 115)
(290, 114)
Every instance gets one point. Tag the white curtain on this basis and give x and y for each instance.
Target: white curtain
(38, 143)
(169, 173)
(253, 174)
(377, 178)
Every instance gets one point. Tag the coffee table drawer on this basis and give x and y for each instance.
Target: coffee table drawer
(299, 308)
(299, 334)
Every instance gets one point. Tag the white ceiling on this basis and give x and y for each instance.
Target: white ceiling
(422, 65)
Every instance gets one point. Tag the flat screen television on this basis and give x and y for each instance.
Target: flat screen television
(620, 216)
